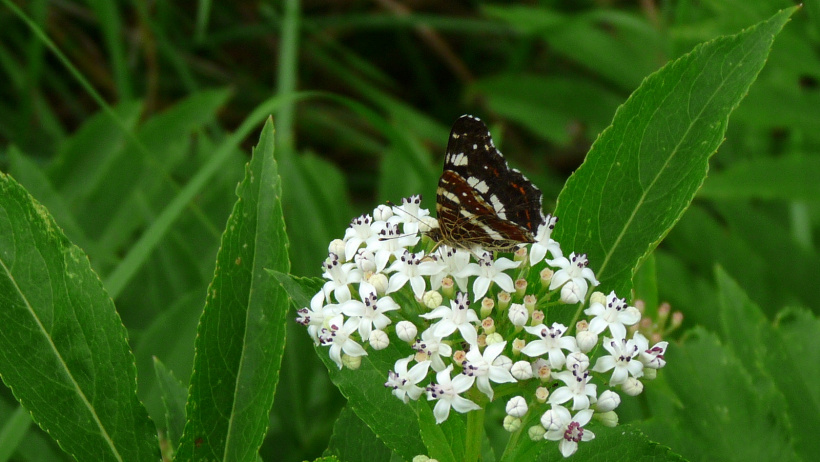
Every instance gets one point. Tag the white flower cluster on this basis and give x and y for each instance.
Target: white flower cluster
(506, 340)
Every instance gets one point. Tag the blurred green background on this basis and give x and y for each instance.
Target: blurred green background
(112, 110)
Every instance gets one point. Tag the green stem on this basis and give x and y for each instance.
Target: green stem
(475, 435)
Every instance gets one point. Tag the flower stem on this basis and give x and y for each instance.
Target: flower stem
(475, 435)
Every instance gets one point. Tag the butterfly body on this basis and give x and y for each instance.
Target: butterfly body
(481, 202)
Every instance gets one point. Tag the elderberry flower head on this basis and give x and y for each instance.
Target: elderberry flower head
(469, 326)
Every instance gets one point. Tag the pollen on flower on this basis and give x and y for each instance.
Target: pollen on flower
(473, 322)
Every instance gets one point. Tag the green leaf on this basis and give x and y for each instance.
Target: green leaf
(13, 432)
(241, 335)
(352, 440)
(788, 178)
(389, 418)
(779, 370)
(715, 395)
(644, 170)
(299, 289)
(63, 349)
(173, 394)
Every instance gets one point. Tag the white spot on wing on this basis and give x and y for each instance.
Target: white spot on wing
(458, 160)
(498, 207)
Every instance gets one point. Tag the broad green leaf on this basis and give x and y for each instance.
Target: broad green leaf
(720, 413)
(352, 440)
(788, 178)
(768, 356)
(32, 177)
(173, 394)
(63, 349)
(240, 338)
(644, 170)
(299, 289)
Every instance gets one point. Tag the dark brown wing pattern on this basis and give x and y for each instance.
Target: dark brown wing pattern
(480, 200)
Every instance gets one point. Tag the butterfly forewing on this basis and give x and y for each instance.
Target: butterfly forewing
(480, 200)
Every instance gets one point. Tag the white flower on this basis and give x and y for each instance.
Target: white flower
(447, 391)
(454, 261)
(622, 358)
(406, 331)
(315, 316)
(361, 231)
(566, 429)
(652, 357)
(403, 382)
(552, 342)
(337, 335)
(573, 270)
(410, 267)
(460, 317)
(577, 388)
(614, 315)
(340, 275)
(433, 348)
(489, 271)
(410, 210)
(481, 367)
(391, 241)
(370, 311)
(517, 406)
(543, 241)
(518, 315)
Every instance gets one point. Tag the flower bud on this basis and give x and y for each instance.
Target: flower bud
(406, 331)
(597, 297)
(537, 318)
(503, 361)
(351, 362)
(536, 433)
(517, 406)
(608, 401)
(649, 373)
(586, 340)
(577, 361)
(570, 293)
(365, 261)
(432, 299)
(551, 420)
(379, 340)
(607, 419)
(337, 246)
(521, 370)
(495, 337)
(518, 315)
(379, 282)
(382, 212)
(511, 424)
(632, 386)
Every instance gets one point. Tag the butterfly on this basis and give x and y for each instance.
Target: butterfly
(481, 202)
